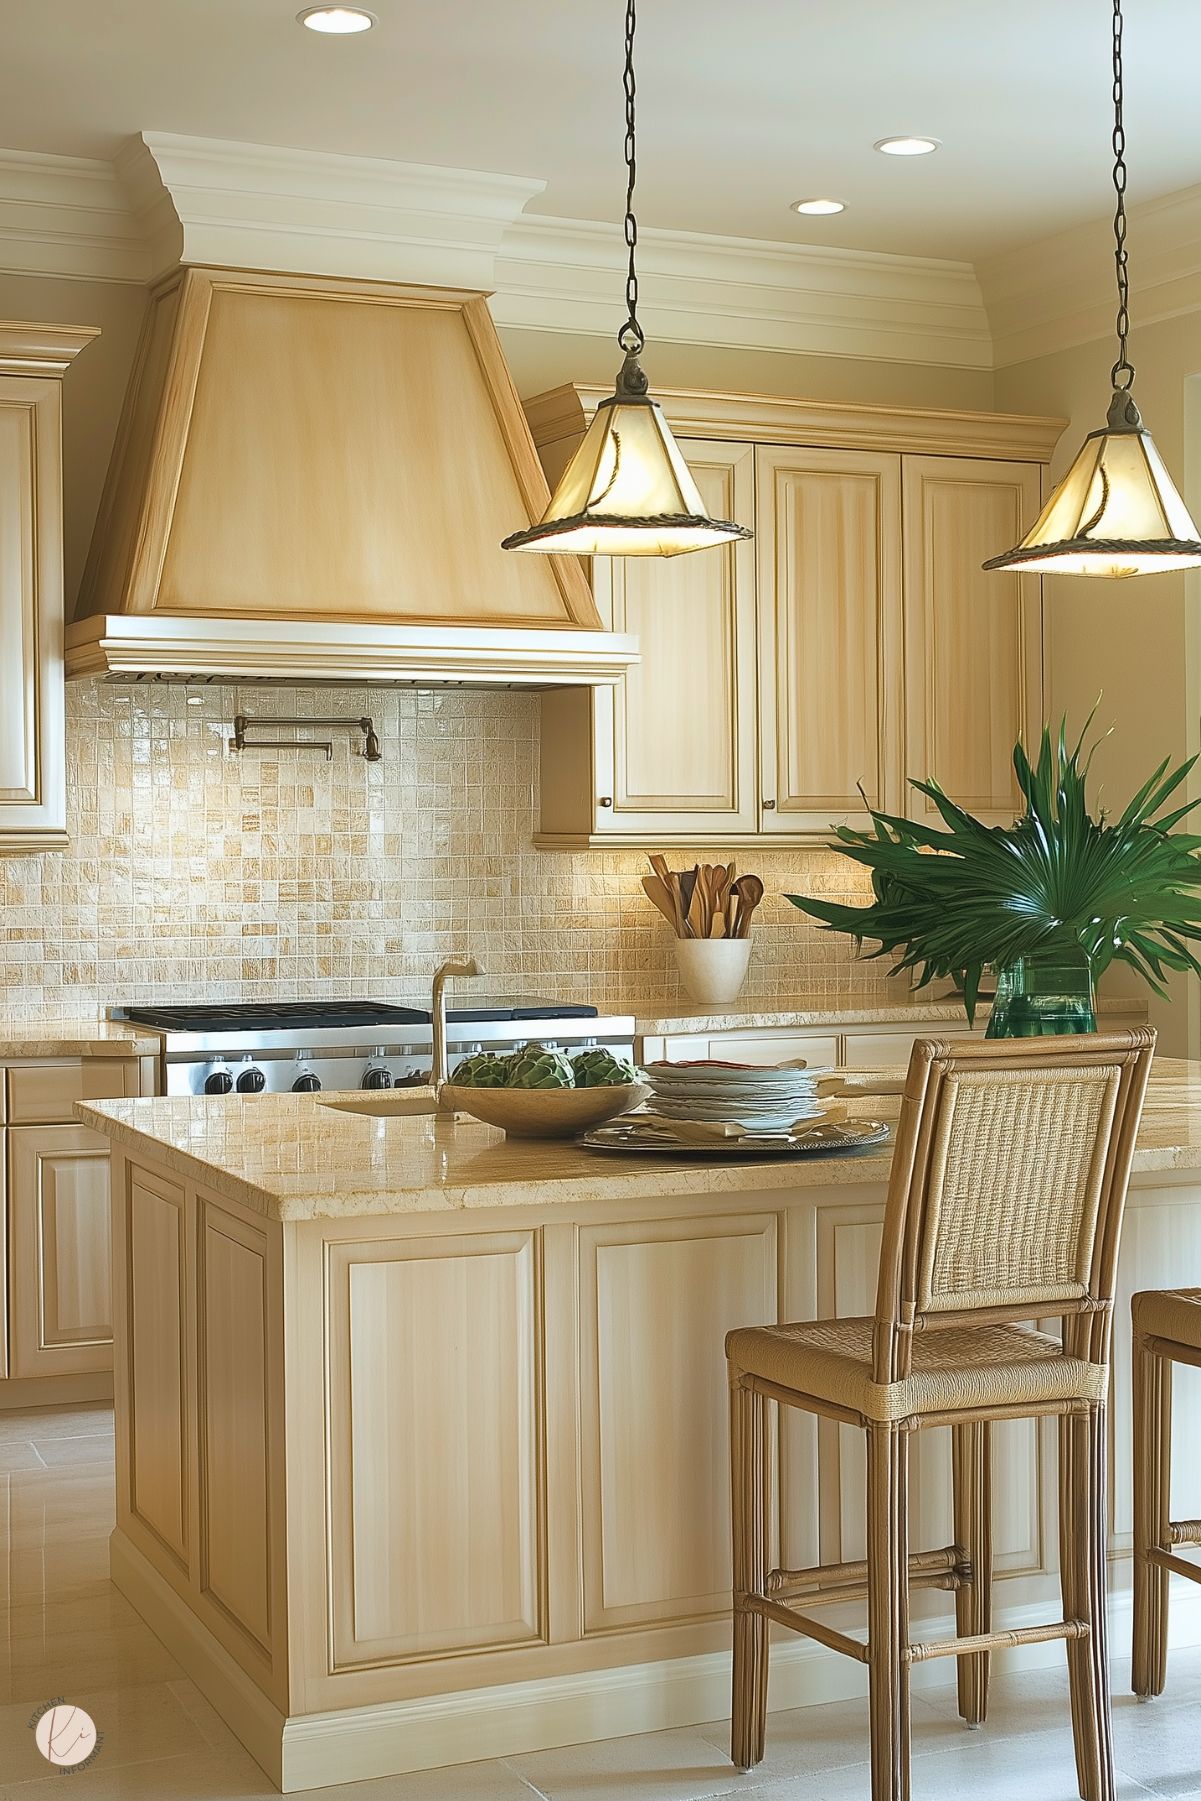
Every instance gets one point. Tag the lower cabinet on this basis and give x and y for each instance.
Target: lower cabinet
(60, 1277)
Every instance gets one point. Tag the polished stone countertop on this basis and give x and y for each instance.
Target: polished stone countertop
(297, 1157)
(51, 1035)
(832, 1015)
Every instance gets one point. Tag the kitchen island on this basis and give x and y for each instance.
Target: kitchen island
(421, 1433)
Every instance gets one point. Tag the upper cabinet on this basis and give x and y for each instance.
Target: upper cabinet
(855, 643)
(973, 654)
(828, 525)
(33, 797)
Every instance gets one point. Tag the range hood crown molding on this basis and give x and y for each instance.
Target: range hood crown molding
(218, 203)
(311, 481)
(231, 651)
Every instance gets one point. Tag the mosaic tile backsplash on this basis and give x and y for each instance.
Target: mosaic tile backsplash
(195, 873)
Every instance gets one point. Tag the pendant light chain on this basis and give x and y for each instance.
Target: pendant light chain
(631, 336)
(1123, 370)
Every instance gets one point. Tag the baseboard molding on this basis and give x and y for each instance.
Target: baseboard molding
(315, 1751)
(55, 1391)
(244, 1708)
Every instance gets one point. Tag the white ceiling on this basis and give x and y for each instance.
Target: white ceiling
(743, 107)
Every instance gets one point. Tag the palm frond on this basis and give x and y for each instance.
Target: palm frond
(945, 902)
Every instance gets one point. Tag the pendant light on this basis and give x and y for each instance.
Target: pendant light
(627, 491)
(1116, 512)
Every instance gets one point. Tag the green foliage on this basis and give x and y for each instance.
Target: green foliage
(945, 903)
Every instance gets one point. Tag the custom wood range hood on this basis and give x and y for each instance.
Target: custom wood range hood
(311, 482)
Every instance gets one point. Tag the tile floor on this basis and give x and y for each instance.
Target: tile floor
(64, 1630)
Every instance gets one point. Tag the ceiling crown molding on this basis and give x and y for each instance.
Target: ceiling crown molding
(253, 206)
(566, 275)
(1046, 297)
(67, 216)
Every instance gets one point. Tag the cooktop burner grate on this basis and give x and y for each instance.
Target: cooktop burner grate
(284, 1016)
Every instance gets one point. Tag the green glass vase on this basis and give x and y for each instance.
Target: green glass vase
(1047, 995)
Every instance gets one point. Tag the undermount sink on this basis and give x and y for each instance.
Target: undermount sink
(385, 1104)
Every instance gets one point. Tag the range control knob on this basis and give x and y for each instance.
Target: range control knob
(218, 1080)
(306, 1083)
(377, 1074)
(251, 1079)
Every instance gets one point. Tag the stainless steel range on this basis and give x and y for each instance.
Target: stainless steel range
(309, 1045)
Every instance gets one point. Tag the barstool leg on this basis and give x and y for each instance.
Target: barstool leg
(888, 1609)
(1152, 1403)
(1082, 1538)
(972, 1484)
(750, 1471)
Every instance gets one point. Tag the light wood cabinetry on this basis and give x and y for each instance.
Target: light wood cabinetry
(829, 544)
(411, 1477)
(973, 650)
(33, 794)
(856, 642)
(678, 741)
(56, 1330)
(60, 1232)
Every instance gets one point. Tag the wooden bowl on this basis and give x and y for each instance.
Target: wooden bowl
(545, 1112)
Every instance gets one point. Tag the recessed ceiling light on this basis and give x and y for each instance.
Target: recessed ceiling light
(906, 146)
(339, 21)
(819, 207)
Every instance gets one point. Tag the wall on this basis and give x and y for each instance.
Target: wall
(1128, 643)
(194, 873)
(93, 389)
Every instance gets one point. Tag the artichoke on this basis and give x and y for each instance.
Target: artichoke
(482, 1070)
(599, 1068)
(538, 1067)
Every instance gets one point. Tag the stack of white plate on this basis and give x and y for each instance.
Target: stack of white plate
(763, 1099)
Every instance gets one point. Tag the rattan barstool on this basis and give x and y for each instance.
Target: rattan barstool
(1004, 1206)
(1167, 1330)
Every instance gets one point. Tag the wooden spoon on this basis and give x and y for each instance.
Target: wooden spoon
(750, 892)
(665, 899)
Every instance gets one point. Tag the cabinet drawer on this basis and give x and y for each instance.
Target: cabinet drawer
(783, 1047)
(44, 1094)
(879, 1050)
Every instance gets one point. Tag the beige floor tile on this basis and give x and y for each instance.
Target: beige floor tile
(137, 1724)
(670, 1766)
(238, 1778)
(18, 1454)
(66, 1570)
(57, 1422)
(89, 1448)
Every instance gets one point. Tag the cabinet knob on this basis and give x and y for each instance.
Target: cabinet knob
(606, 800)
(768, 805)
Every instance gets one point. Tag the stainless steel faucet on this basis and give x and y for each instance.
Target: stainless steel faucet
(440, 1074)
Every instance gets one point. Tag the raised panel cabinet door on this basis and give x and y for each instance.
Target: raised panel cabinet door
(828, 526)
(435, 1466)
(32, 777)
(675, 739)
(60, 1274)
(657, 1298)
(973, 638)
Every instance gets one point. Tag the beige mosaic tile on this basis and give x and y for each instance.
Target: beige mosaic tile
(196, 872)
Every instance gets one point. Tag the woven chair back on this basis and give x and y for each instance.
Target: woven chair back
(1008, 1184)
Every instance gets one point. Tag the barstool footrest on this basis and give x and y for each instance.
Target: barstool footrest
(995, 1641)
(948, 1568)
(1179, 1566)
(811, 1628)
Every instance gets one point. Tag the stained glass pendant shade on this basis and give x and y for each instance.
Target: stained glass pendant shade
(1117, 511)
(627, 491)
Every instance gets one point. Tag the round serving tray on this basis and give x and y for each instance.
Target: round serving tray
(628, 1140)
